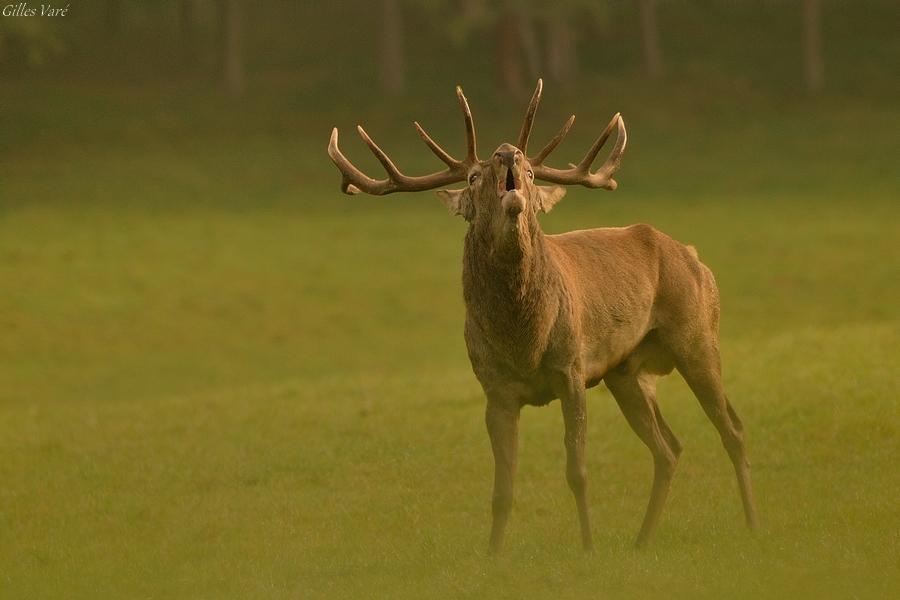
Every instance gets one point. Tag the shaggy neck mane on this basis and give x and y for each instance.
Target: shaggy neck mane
(505, 278)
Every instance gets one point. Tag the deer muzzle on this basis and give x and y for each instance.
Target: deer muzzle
(509, 180)
(510, 191)
(512, 203)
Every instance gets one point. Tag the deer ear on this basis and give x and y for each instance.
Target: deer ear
(458, 202)
(548, 196)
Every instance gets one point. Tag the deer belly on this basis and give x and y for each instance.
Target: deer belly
(598, 358)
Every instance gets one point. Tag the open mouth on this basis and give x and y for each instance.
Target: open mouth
(510, 183)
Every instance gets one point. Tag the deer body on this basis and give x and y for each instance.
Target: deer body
(573, 300)
(548, 316)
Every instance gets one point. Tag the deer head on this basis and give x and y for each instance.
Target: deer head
(501, 191)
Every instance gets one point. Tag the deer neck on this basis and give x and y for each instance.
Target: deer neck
(506, 273)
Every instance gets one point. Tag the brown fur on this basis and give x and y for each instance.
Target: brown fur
(548, 316)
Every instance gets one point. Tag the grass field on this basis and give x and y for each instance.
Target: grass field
(221, 378)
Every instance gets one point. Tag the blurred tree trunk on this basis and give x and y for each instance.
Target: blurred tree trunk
(187, 19)
(813, 63)
(509, 56)
(392, 70)
(528, 37)
(562, 62)
(113, 19)
(650, 38)
(231, 47)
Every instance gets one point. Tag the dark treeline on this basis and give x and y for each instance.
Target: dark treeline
(227, 42)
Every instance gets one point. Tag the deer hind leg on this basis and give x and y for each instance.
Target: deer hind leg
(702, 371)
(502, 421)
(635, 394)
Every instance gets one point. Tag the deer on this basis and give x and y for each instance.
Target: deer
(549, 316)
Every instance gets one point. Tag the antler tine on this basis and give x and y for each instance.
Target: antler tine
(591, 154)
(525, 133)
(552, 144)
(392, 171)
(471, 155)
(580, 173)
(355, 181)
(614, 161)
(442, 154)
(435, 147)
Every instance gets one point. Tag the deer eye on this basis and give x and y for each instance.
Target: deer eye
(472, 178)
(530, 174)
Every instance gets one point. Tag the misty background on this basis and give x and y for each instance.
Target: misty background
(221, 377)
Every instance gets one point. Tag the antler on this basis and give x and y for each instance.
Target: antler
(355, 181)
(580, 173)
(525, 133)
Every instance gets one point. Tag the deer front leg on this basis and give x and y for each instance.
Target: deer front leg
(574, 408)
(503, 428)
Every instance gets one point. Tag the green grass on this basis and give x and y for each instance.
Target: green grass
(219, 378)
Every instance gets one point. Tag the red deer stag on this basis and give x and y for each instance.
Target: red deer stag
(548, 316)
